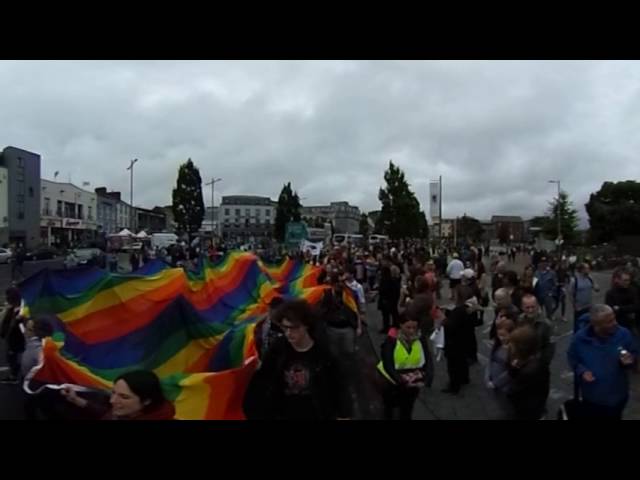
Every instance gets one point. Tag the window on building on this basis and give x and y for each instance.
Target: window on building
(69, 210)
(267, 221)
(90, 217)
(80, 212)
(247, 212)
(258, 212)
(267, 212)
(237, 212)
(59, 209)
(226, 212)
(47, 206)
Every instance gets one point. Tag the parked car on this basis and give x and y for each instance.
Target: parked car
(41, 253)
(85, 256)
(5, 255)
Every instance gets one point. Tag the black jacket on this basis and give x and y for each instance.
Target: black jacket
(529, 389)
(334, 312)
(11, 332)
(266, 392)
(627, 301)
(456, 331)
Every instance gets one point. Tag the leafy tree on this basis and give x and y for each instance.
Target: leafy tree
(188, 205)
(614, 210)
(400, 216)
(568, 219)
(288, 210)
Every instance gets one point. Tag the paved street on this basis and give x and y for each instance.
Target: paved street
(473, 403)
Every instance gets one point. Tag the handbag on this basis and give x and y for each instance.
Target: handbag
(485, 300)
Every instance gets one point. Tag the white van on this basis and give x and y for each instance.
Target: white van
(340, 239)
(163, 240)
(378, 239)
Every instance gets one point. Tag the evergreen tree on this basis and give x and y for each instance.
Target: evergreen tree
(188, 205)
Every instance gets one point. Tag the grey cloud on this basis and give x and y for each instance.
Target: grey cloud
(495, 131)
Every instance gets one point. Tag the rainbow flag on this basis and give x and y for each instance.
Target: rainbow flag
(194, 329)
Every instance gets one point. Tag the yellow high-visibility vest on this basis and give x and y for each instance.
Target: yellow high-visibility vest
(405, 360)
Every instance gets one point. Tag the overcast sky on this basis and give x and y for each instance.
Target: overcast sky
(496, 131)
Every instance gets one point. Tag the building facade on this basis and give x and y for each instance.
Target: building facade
(151, 221)
(345, 217)
(107, 212)
(210, 226)
(68, 214)
(513, 225)
(23, 195)
(4, 206)
(171, 221)
(247, 217)
(122, 211)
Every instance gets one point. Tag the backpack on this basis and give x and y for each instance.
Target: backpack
(575, 287)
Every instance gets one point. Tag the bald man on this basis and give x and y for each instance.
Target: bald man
(601, 355)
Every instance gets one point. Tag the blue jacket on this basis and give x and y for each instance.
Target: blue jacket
(601, 357)
(547, 282)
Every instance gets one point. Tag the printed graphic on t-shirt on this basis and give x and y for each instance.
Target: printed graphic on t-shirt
(296, 379)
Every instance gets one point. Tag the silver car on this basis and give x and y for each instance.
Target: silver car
(5, 255)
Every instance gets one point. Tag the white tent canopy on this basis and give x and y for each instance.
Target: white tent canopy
(125, 233)
(142, 234)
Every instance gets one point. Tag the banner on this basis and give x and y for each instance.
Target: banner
(313, 248)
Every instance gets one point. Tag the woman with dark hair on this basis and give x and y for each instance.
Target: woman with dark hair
(388, 294)
(529, 374)
(456, 343)
(136, 395)
(497, 378)
(406, 365)
(528, 281)
(298, 379)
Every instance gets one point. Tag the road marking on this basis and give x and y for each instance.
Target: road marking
(4, 369)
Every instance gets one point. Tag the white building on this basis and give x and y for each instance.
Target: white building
(345, 217)
(247, 216)
(4, 206)
(68, 213)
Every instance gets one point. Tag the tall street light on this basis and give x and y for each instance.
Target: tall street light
(130, 167)
(212, 183)
(558, 213)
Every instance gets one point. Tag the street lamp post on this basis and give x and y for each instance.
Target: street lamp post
(558, 213)
(212, 183)
(130, 167)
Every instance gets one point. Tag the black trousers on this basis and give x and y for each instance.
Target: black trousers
(13, 359)
(458, 369)
(401, 399)
(593, 411)
(390, 313)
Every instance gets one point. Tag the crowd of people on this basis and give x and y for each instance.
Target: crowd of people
(308, 364)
